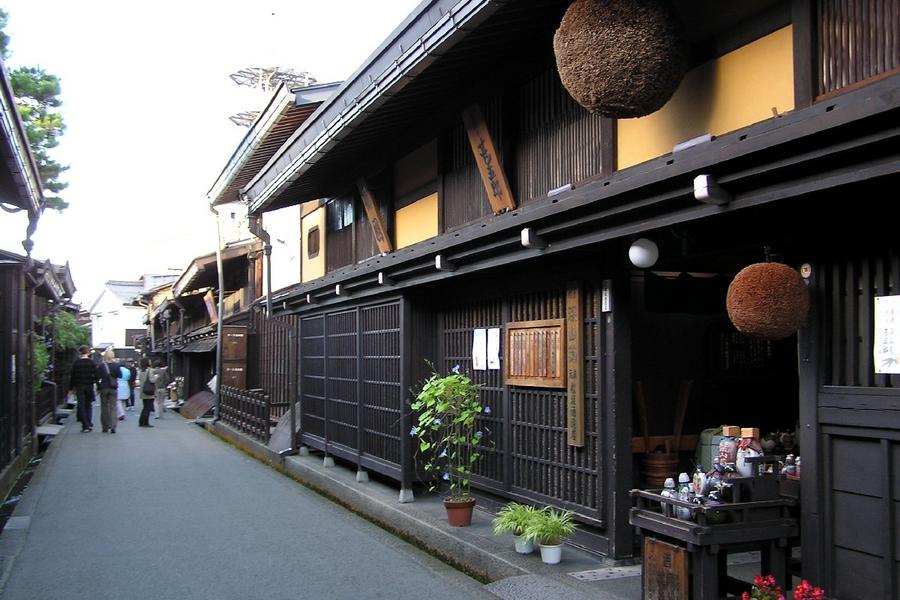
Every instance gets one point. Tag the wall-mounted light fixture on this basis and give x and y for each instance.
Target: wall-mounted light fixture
(384, 279)
(708, 190)
(530, 239)
(442, 264)
(643, 253)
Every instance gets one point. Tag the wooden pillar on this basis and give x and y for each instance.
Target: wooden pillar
(806, 43)
(615, 338)
(812, 521)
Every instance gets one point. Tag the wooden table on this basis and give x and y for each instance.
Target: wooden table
(764, 525)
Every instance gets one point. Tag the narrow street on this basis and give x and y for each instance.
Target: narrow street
(173, 512)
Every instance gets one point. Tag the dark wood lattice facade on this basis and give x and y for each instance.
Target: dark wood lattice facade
(350, 385)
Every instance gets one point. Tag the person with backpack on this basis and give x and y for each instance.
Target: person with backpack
(108, 374)
(133, 383)
(147, 389)
(84, 375)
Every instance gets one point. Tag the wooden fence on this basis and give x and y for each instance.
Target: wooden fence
(247, 411)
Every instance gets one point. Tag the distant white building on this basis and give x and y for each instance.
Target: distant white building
(116, 316)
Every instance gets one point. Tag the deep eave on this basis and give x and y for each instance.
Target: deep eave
(286, 111)
(847, 139)
(19, 181)
(433, 27)
(202, 272)
(446, 55)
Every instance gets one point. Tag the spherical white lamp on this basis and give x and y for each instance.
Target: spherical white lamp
(643, 253)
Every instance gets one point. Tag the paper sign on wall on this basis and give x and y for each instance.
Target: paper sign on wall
(887, 334)
(493, 348)
(479, 350)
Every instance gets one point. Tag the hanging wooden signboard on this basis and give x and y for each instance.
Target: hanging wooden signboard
(373, 215)
(492, 175)
(534, 353)
(574, 366)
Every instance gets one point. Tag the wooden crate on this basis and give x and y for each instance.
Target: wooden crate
(665, 575)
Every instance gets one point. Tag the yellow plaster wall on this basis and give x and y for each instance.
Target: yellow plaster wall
(416, 222)
(312, 268)
(720, 96)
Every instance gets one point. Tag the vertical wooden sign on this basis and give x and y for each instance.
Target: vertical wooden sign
(373, 215)
(574, 365)
(492, 175)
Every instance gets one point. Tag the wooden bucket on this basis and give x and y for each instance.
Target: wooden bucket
(657, 466)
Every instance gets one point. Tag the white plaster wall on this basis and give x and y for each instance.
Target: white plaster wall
(283, 226)
(110, 318)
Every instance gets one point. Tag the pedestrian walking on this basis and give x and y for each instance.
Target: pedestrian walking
(123, 391)
(147, 392)
(132, 383)
(162, 381)
(108, 373)
(84, 374)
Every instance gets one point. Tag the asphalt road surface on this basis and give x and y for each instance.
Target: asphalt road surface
(173, 512)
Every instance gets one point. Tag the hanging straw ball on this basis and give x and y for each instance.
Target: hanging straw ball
(767, 300)
(621, 58)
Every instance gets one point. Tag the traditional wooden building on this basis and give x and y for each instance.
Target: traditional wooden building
(183, 316)
(20, 192)
(468, 211)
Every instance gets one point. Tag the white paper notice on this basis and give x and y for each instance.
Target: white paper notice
(493, 348)
(887, 334)
(479, 350)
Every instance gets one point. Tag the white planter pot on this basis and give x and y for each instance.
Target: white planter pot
(551, 555)
(523, 546)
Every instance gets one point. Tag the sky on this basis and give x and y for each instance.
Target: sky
(146, 98)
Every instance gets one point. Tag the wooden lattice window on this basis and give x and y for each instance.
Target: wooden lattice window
(535, 353)
(312, 242)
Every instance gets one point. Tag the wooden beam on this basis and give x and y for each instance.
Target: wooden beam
(492, 174)
(373, 215)
(688, 443)
(574, 365)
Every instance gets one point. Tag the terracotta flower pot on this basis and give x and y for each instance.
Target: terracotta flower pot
(459, 512)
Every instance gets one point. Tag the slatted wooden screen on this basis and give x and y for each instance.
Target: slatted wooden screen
(849, 288)
(351, 392)
(10, 398)
(858, 39)
(458, 336)
(312, 380)
(855, 475)
(543, 462)
(273, 367)
(382, 399)
(526, 451)
(558, 141)
(340, 378)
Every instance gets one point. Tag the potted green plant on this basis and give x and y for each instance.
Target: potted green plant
(514, 518)
(448, 438)
(549, 528)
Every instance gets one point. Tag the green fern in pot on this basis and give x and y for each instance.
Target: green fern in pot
(515, 518)
(549, 528)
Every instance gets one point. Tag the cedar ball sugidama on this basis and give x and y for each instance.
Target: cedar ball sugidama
(767, 300)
